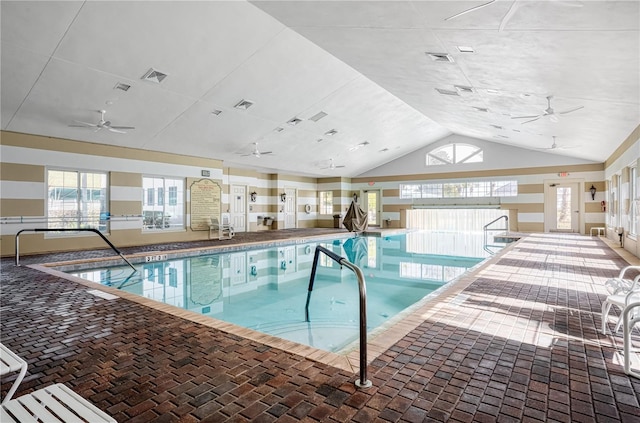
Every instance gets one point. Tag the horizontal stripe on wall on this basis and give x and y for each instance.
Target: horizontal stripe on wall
(530, 227)
(68, 146)
(530, 189)
(592, 207)
(125, 179)
(530, 218)
(20, 207)
(119, 193)
(22, 190)
(125, 207)
(525, 207)
(22, 172)
(121, 224)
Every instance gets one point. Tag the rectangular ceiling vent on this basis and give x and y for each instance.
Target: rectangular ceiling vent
(216, 112)
(294, 121)
(243, 104)
(440, 57)
(318, 116)
(122, 86)
(463, 89)
(447, 92)
(154, 76)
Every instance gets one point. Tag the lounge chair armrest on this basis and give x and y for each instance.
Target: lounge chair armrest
(624, 270)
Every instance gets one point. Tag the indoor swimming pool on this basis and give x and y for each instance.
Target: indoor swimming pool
(265, 289)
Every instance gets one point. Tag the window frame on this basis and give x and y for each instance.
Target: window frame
(433, 159)
(325, 200)
(155, 216)
(86, 197)
(464, 189)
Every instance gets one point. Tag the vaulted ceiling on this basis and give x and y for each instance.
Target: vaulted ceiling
(388, 77)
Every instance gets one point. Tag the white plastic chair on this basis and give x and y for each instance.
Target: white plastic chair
(53, 404)
(621, 298)
(621, 284)
(10, 363)
(630, 316)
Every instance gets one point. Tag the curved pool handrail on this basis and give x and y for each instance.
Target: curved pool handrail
(94, 230)
(362, 383)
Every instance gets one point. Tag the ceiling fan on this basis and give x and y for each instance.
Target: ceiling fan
(257, 153)
(511, 11)
(549, 111)
(103, 124)
(555, 146)
(332, 165)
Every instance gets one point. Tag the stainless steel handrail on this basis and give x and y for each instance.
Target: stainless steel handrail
(113, 247)
(362, 383)
(486, 229)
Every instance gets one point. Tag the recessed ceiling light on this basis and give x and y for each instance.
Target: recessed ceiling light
(447, 92)
(465, 49)
(492, 92)
(440, 57)
(294, 121)
(318, 116)
(481, 109)
(153, 75)
(243, 104)
(279, 129)
(216, 112)
(500, 136)
(122, 86)
(384, 150)
(331, 132)
(319, 140)
(497, 126)
(358, 146)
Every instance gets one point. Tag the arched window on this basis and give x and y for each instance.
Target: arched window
(454, 154)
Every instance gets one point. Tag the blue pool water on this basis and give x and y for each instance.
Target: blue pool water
(266, 289)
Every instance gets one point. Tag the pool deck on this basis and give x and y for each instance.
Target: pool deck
(515, 340)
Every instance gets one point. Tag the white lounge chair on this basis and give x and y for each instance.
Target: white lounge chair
(621, 298)
(630, 316)
(11, 363)
(53, 404)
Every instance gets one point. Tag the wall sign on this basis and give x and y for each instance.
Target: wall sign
(206, 197)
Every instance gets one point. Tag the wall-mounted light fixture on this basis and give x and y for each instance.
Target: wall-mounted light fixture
(593, 192)
(283, 197)
(355, 197)
(253, 196)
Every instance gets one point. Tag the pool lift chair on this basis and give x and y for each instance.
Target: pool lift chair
(224, 230)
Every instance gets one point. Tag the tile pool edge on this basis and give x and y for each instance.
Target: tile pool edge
(378, 341)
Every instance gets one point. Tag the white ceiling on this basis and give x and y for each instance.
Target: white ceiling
(361, 62)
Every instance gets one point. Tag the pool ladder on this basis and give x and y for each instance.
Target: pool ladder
(362, 383)
(486, 229)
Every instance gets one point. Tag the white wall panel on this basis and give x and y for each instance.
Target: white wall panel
(531, 217)
(23, 190)
(125, 193)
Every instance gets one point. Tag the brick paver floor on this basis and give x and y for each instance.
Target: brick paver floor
(518, 342)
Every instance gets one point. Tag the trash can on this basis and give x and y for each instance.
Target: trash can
(337, 220)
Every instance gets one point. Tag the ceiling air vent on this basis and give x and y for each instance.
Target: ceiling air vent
(318, 116)
(243, 104)
(216, 112)
(155, 76)
(279, 129)
(465, 49)
(294, 121)
(447, 92)
(496, 126)
(121, 86)
(440, 57)
(481, 109)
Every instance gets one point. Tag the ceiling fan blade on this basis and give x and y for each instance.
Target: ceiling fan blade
(571, 110)
(123, 127)
(112, 129)
(532, 120)
(266, 152)
(508, 16)
(526, 117)
(469, 10)
(86, 124)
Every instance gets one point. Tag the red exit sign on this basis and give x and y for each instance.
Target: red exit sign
(563, 174)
